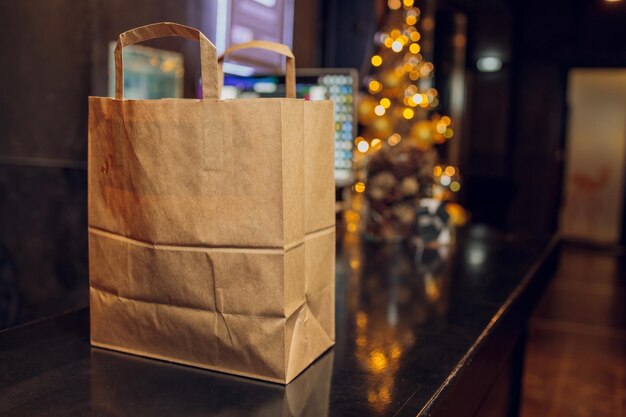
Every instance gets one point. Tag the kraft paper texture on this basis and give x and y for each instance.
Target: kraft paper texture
(212, 224)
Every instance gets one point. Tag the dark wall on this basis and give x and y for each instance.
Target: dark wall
(44, 77)
(551, 38)
(487, 149)
(517, 117)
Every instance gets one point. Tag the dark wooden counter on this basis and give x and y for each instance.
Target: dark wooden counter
(440, 335)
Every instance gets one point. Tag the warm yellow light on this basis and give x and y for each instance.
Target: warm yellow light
(377, 361)
(408, 113)
(385, 102)
(414, 75)
(379, 110)
(359, 187)
(417, 98)
(449, 133)
(394, 4)
(415, 36)
(414, 48)
(399, 71)
(388, 42)
(446, 120)
(395, 33)
(361, 319)
(441, 128)
(432, 290)
(358, 139)
(376, 143)
(437, 171)
(450, 171)
(363, 146)
(377, 61)
(407, 67)
(403, 39)
(408, 3)
(394, 139)
(375, 86)
(396, 46)
(411, 20)
(455, 186)
(352, 216)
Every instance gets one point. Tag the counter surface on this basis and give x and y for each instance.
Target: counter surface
(418, 332)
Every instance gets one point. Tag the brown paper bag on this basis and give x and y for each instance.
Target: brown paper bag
(211, 223)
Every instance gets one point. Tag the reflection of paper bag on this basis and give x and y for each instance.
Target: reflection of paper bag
(211, 224)
(123, 385)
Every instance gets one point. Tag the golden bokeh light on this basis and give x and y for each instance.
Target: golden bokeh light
(414, 48)
(408, 113)
(437, 171)
(377, 361)
(361, 319)
(394, 4)
(394, 139)
(374, 86)
(385, 102)
(359, 187)
(377, 61)
(415, 36)
(450, 171)
(411, 20)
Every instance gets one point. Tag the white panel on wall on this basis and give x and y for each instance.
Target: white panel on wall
(595, 156)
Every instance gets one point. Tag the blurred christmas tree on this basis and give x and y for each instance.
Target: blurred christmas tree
(400, 128)
(401, 100)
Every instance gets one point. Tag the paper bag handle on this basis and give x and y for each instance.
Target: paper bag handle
(279, 48)
(208, 53)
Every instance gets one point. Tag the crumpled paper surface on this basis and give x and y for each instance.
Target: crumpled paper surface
(211, 232)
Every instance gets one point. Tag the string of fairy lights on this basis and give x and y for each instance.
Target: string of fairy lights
(401, 102)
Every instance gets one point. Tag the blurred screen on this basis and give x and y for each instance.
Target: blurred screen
(149, 73)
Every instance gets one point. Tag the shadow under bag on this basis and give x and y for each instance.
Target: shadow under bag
(212, 223)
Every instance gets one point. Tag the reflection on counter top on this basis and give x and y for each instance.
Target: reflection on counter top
(410, 326)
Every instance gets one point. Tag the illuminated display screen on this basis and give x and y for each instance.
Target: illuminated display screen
(327, 84)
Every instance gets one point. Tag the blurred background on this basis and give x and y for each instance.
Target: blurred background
(528, 99)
